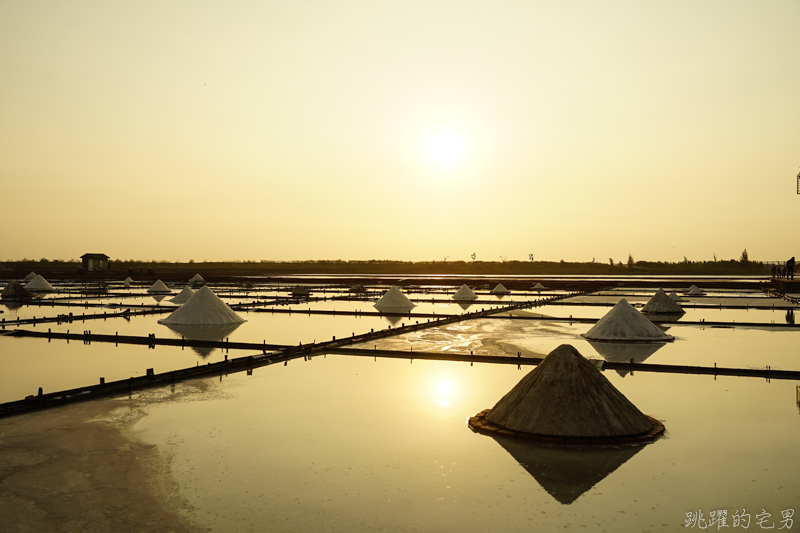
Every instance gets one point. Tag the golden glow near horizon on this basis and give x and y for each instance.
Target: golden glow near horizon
(399, 130)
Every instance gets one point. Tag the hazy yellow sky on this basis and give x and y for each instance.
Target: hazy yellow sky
(400, 130)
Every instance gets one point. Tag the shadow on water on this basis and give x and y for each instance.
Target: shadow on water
(203, 333)
(567, 473)
(663, 317)
(626, 352)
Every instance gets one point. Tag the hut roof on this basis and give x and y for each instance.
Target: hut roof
(464, 293)
(500, 289)
(566, 396)
(394, 301)
(29, 277)
(660, 303)
(15, 291)
(624, 323)
(183, 296)
(203, 308)
(38, 283)
(158, 287)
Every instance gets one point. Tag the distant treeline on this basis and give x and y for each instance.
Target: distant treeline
(637, 268)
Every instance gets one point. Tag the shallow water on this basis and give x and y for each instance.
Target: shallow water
(347, 444)
(351, 444)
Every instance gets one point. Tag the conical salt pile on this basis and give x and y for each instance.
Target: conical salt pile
(464, 293)
(15, 291)
(38, 283)
(29, 277)
(204, 308)
(500, 289)
(394, 301)
(183, 296)
(539, 287)
(197, 280)
(694, 290)
(566, 396)
(159, 288)
(127, 283)
(675, 298)
(662, 304)
(624, 323)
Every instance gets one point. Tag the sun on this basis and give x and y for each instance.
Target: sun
(446, 147)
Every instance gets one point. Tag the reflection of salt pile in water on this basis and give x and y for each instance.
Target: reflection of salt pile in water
(394, 301)
(567, 473)
(625, 324)
(38, 284)
(626, 352)
(210, 333)
(183, 296)
(464, 294)
(197, 281)
(29, 277)
(159, 288)
(675, 298)
(662, 304)
(500, 289)
(694, 290)
(127, 283)
(464, 305)
(566, 399)
(204, 308)
(15, 291)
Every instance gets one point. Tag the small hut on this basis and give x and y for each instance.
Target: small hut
(298, 291)
(94, 262)
(394, 301)
(464, 294)
(625, 324)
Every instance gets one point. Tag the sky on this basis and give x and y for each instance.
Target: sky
(404, 130)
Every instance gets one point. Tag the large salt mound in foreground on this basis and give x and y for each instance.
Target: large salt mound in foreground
(624, 323)
(204, 308)
(566, 396)
(394, 301)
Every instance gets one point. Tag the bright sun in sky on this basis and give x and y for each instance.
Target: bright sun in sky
(446, 147)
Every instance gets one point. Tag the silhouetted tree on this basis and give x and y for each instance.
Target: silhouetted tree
(743, 258)
(630, 261)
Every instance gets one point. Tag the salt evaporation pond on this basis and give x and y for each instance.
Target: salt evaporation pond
(341, 443)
